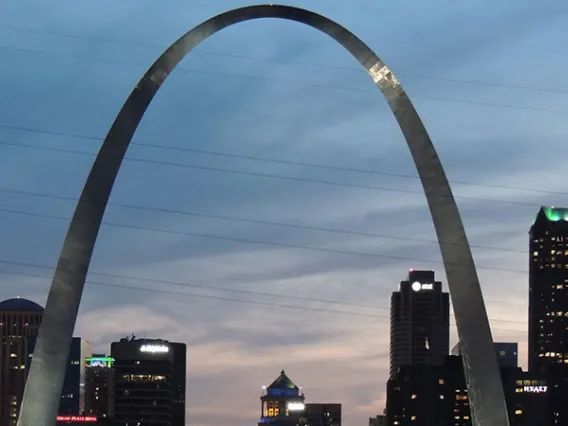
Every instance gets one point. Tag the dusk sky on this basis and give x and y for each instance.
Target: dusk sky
(262, 286)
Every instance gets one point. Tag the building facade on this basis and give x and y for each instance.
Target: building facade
(419, 322)
(144, 389)
(548, 288)
(423, 395)
(507, 353)
(73, 392)
(323, 414)
(98, 386)
(282, 403)
(20, 320)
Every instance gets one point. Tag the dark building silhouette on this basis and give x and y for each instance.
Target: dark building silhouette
(507, 353)
(73, 392)
(98, 386)
(20, 320)
(419, 322)
(323, 414)
(379, 420)
(180, 371)
(423, 395)
(145, 388)
(548, 288)
(282, 403)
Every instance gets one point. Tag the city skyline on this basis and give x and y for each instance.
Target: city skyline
(244, 342)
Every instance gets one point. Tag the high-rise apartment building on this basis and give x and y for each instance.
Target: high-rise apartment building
(98, 386)
(419, 322)
(20, 320)
(146, 390)
(73, 392)
(548, 288)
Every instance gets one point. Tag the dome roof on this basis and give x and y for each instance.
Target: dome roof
(20, 304)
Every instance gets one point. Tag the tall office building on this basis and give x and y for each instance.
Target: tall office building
(20, 320)
(548, 288)
(145, 387)
(419, 322)
(98, 386)
(73, 392)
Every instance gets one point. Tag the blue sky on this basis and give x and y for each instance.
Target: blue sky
(489, 81)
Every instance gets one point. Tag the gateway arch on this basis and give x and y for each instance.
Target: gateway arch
(45, 381)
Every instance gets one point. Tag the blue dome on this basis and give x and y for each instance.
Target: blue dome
(19, 304)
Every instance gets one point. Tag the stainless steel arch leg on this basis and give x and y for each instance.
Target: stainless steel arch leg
(43, 389)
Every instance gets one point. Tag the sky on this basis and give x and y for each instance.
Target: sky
(228, 150)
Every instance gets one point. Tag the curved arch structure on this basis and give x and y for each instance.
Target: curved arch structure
(43, 389)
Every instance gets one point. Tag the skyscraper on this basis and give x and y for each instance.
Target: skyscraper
(548, 306)
(20, 320)
(145, 389)
(73, 392)
(98, 386)
(420, 322)
(548, 288)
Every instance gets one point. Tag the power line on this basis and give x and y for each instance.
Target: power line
(279, 81)
(251, 221)
(288, 162)
(282, 177)
(281, 61)
(262, 242)
(230, 290)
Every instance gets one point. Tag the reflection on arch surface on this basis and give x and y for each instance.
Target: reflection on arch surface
(41, 397)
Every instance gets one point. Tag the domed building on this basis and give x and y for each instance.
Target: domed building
(282, 403)
(20, 320)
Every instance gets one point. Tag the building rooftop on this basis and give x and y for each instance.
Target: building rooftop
(20, 304)
(554, 214)
(283, 382)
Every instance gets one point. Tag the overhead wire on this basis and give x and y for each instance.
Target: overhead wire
(280, 177)
(267, 243)
(206, 287)
(279, 81)
(277, 161)
(201, 51)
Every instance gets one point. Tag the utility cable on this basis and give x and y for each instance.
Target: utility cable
(280, 81)
(277, 61)
(264, 243)
(229, 290)
(287, 178)
(289, 162)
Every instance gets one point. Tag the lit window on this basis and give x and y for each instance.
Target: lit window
(517, 412)
(413, 396)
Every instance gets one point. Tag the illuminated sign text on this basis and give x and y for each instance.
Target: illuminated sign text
(80, 419)
(535, 389)
(154, 349)
(296, 406)
(101, 362)
(417, 286)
